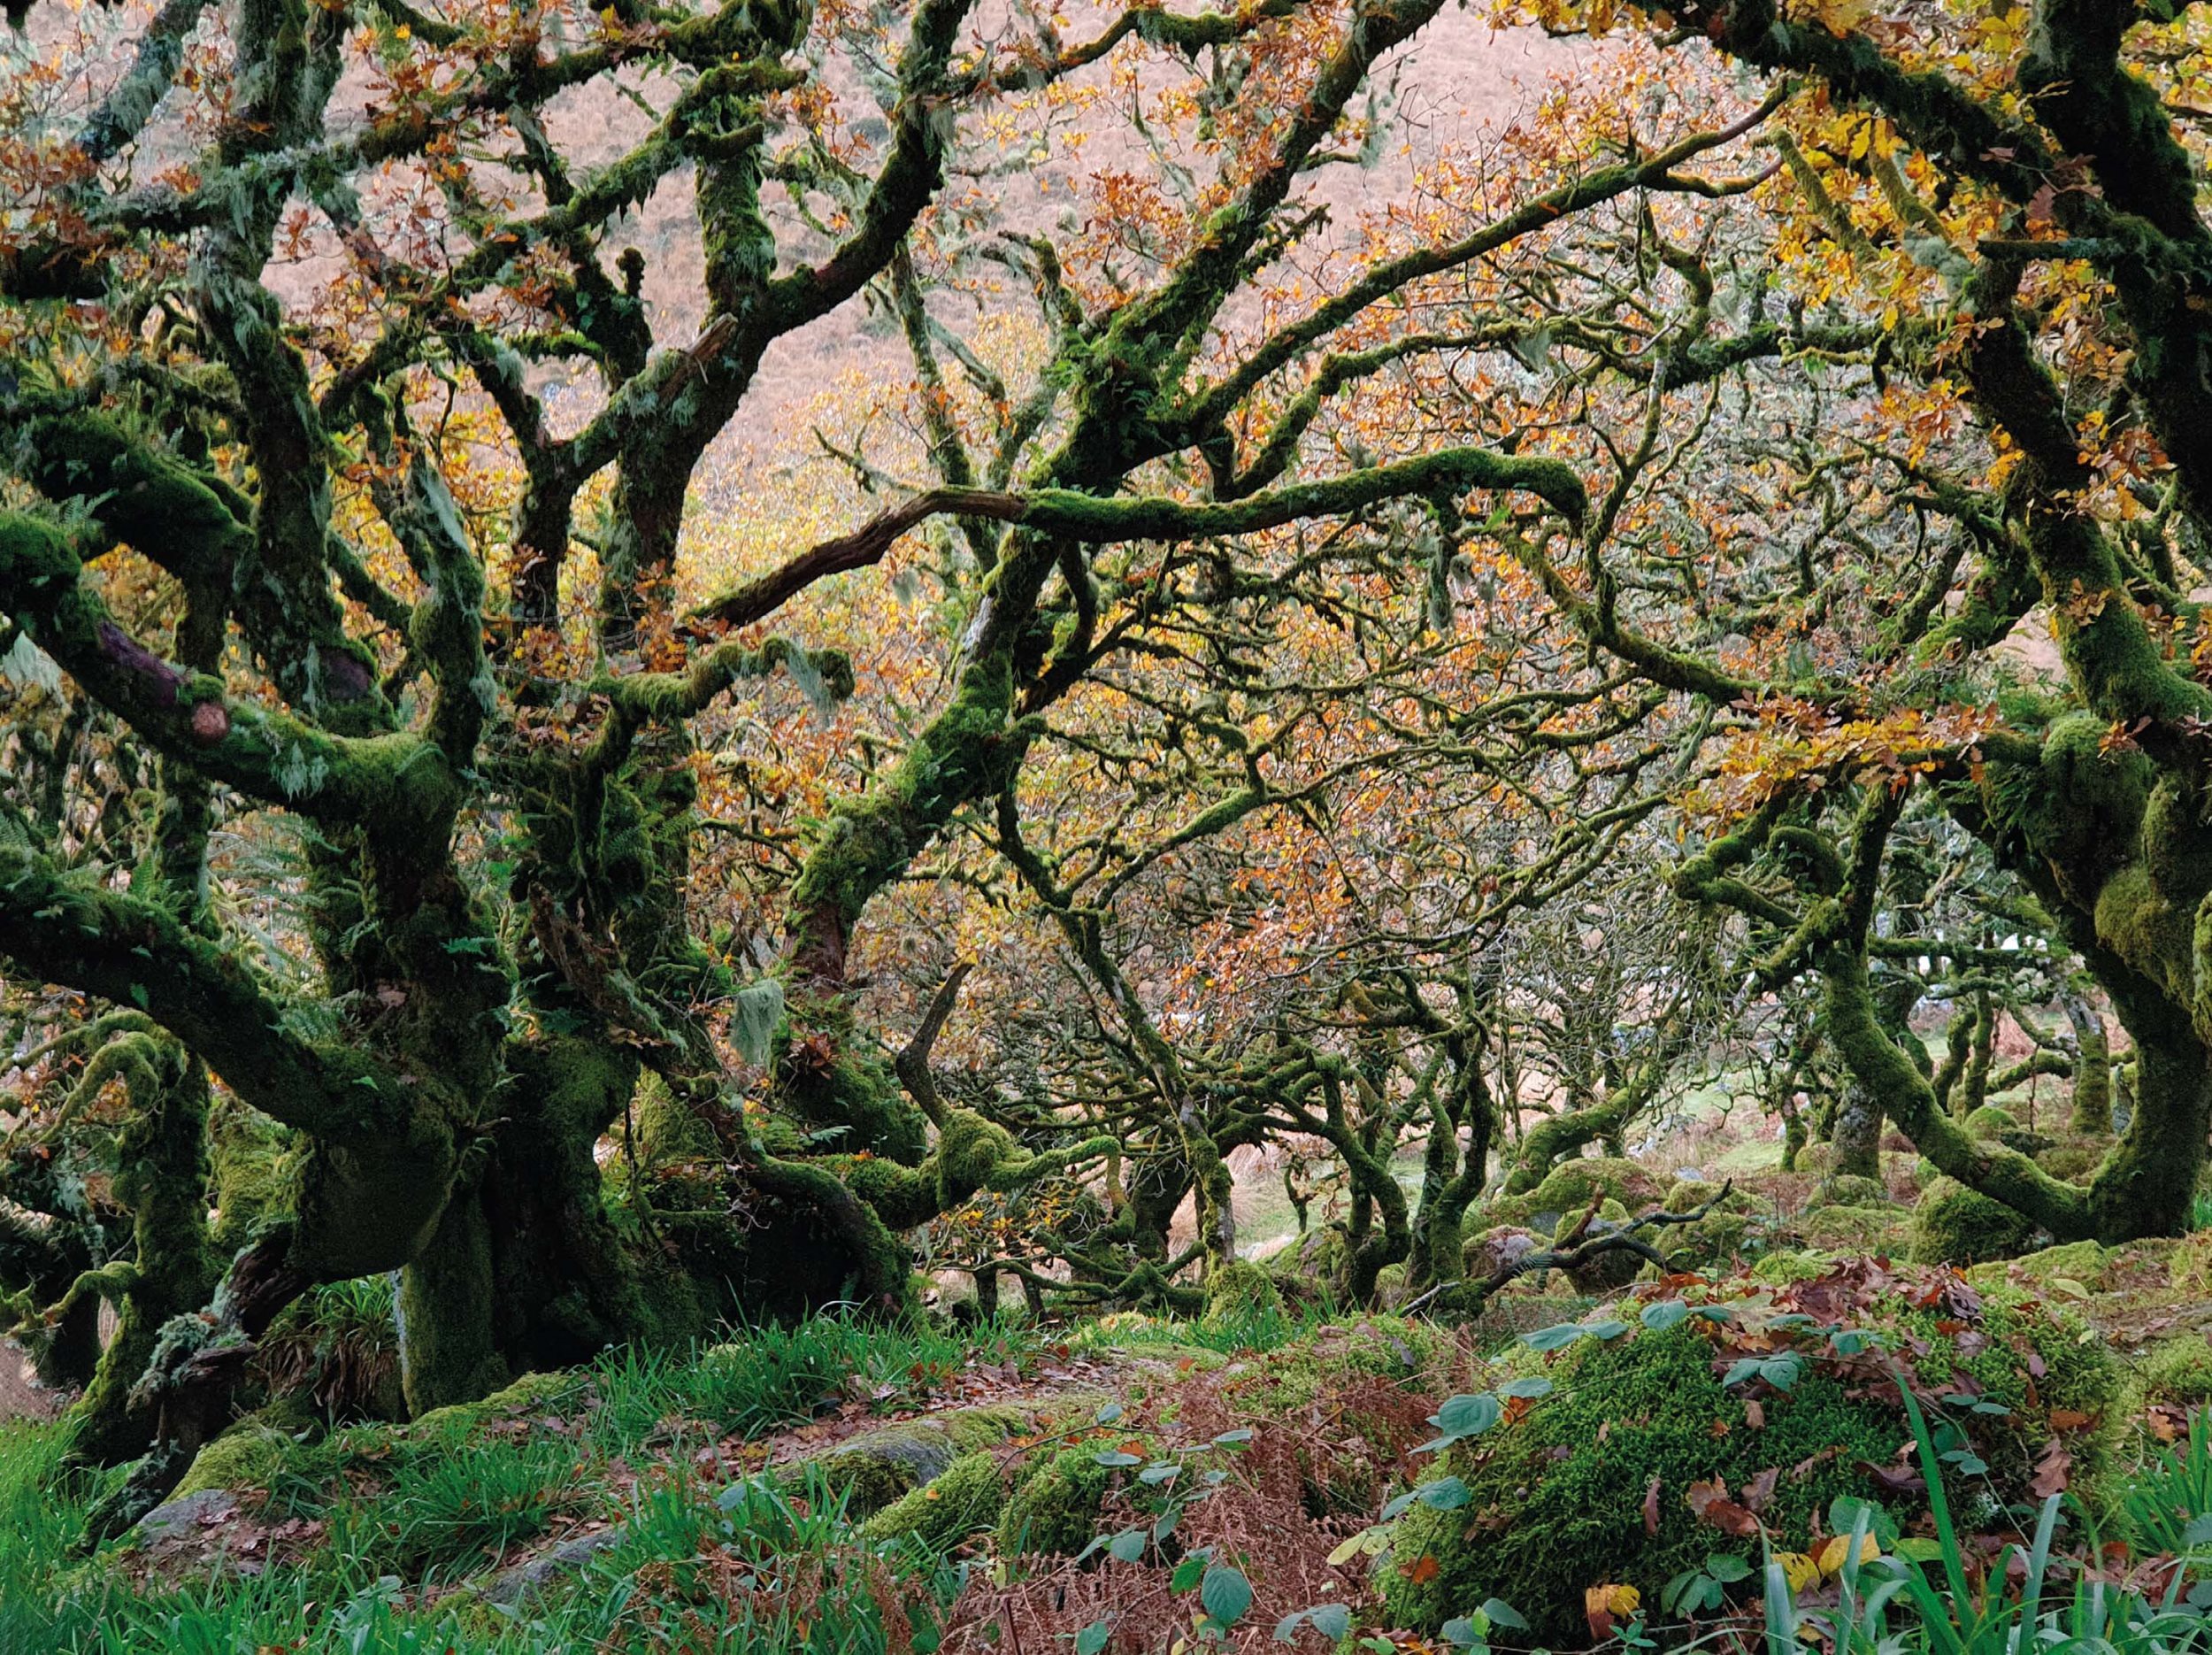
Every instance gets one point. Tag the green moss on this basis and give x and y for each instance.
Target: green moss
(1738, 1223)
(1816, 1159)
(1788, 1265)
(1879, 1230)
(1558, 1500)
(2083, 1263)
(965, 1499)
(1991, 1120)
(1849, 1189)
(1956, 1225)
(2073, 1159)
(1236, 1292)
(877, 1470)
(2178, 1372)
(248, 1456)
(1054, 1507)
(1567, 1190)
(533, 1393)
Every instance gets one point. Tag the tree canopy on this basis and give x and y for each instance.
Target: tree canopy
(1300, 636)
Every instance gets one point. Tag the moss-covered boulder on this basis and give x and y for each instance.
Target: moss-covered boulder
(1566, 1191)
(2073, 1270)
(965, 1500)
(1488, 1252)
(1236, 1293)
(1595, 1484)
(533, 1393)
(1817, 1161)
(2074, 1159)
(1957, 1226)
(1054, 1507)
(1356, 1389)
(2178, 1372)
(1991, 1121)
(1851, 1189)
(874, 1470)
(1738, 1223)
(1877, 1231)
(250, 1455)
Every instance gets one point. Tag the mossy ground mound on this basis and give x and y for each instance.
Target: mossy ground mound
(1957, 1226)
(1592, 1486)
(1878, 1230)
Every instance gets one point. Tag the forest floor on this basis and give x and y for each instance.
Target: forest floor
(840, 1488)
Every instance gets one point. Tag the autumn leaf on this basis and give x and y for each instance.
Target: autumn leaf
(1709, 1503)
(2054, 1468)
(1651, 1508)
(1835, 1553)
(1423, 1569)
(1604, 1607)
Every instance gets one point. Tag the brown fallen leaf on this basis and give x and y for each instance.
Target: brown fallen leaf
(2054, 1468)
(1651, 1508)
(1760, 1489)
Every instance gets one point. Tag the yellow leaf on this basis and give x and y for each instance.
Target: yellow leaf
(1836, 1551)
(1798, 1570)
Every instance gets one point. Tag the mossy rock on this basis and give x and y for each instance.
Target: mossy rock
(1608, 1272)
(250, 1455)
(1558, 1499)
(1723, 1234)
(963, 1500)
(1053, 1509)
(1390, 1285)
(1851, 1189)
(1869, 1230)
(1789, 1264)
(1306, 1270)
(875, 1470)
(1954, 1224)
(2074, 1159)
(2083, 1263)
(1992, 1122)
(533, 1393)
(1567, 1189)
(2178, 1372)
(1817, 1161)
(1488, 1252)
(1338, 1355)
(1237, 1292)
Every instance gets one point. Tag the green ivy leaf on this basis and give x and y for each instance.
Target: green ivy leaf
(1668, 1312)
(1225, 1594)
(1556, 1338)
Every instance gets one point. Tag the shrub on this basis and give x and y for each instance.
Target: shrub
(1957, 1226)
